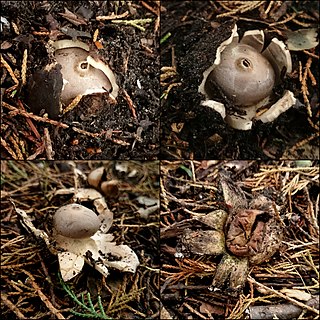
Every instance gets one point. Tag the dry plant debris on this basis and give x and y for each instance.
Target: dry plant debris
(190, 190)
(31, 286)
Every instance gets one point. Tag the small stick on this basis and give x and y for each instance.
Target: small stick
(11, 306)
(19, 265)
(157, 24)
(135, 23)
(112, 16)
(311, 54)
(9, 150)
(14, 78)
(313, 125)
(95, 35)
(26, 114)
(41, 33)
(120, 142)
(283, 296)
(72, 104)
(300, 23)
(13, 139)
(312, 77)
(48, 278)
(15, 28)
(96, 135)
(39, 150)
(48, 144)
(284, 21)
(241, 9)
(304, 141)
(132, 107)
(43, 297)
(304, 87)
(30, 123)
(156, 12)
(24, 67)
(86, 133)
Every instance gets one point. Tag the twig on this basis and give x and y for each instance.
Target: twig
(13, 140)
(300, 23)
(201, 316)
(8, 68)
(39, 150)
(15, 266)
(247, 6)
(284, 21)
(26, 114)
(156, 12)
(43, 297)
(132, 107)
(11, 306)
(86, 133)
(283, 296)
(15, 28)
(157, 24)
(303, 142)
(135, 23)
(95, 35)
(24, 67)
(72, 104)
(311, 54)
(96, 135)
(48, 144)
(304, 87)
(8, 148)
(112, 16)
(48, 278)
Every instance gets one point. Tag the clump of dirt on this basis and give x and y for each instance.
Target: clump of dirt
(192, 33)
(95, 128)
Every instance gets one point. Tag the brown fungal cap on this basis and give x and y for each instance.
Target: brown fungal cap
(76, 221)
(95, 176)
(244, 75)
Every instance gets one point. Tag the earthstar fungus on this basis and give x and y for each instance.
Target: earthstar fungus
(82, 74)
(249, 234)
(246, 73)
(75, 71)
(80, 235)
(85, 237)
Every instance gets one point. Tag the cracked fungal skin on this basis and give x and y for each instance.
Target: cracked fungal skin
(243, 239)
(255, 233)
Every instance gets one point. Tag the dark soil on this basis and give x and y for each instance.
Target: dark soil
(132, 54)
(196, 32)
